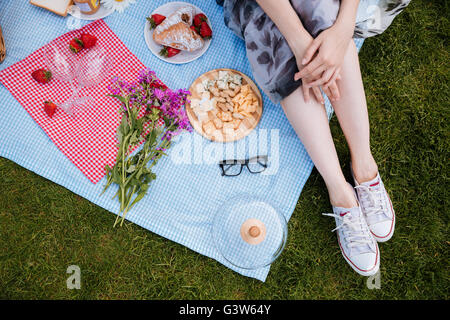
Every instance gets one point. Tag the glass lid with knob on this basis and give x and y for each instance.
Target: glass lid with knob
(249, 232)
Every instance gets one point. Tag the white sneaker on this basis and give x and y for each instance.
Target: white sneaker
(357, 245)
(376, 207)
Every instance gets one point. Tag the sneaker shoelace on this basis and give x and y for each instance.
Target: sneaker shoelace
(354, 231)
(373, 202)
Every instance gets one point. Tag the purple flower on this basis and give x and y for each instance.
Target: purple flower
(147, 91)
(159, 94)
(167, 135)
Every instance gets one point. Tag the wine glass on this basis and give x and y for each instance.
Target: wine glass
(62, 63)
(89, 71)
(94, 66)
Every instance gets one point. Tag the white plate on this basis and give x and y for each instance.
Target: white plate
(184, 56)
(101, 13)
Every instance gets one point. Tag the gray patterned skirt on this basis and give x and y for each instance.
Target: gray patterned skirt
(272, 61)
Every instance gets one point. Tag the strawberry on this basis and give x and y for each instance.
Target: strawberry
(205, 30)
(195, 29)
(155, 20)
(88, 40)
(42, 75)
(169, 52)
(199, 18)
(49, 108)
(75, 45)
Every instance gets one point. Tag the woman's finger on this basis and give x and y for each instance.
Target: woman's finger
(334, 91)
(311, 67)
(318, 72)
(326, 76)
(328, 93)
(311, 51)
(318, 95)
(305, 89)
(334, 77)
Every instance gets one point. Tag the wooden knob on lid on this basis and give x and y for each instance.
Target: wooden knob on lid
(253, 231)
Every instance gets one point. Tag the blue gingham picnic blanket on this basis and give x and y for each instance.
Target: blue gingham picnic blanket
(189, 189)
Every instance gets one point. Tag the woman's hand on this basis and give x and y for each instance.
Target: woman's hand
(309, 83)
(325, 54)
(331, 90)
(299, 47)
(286, 19)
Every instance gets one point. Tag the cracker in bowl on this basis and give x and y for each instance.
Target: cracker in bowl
(224, 105)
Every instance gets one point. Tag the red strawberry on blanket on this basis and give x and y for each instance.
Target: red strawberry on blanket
(199, 18)
(205, 30)
(155, 20)
(88, 40)
(169, 52)
(75, 45)
(42, 75)
(49, 108)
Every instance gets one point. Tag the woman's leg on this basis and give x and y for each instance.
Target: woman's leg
(310, 122)
(351, 111)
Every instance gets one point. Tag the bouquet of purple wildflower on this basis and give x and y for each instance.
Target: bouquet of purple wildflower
(152, 114)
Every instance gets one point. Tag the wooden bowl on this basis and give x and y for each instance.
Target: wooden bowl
(247, 124)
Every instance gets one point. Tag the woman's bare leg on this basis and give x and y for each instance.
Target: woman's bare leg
(310, 122)
(351, 111)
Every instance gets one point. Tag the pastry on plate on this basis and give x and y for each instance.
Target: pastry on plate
(175, 31)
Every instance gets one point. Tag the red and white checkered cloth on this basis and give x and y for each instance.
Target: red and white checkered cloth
(89, 138)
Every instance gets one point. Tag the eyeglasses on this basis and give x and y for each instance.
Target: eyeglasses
(232, 168)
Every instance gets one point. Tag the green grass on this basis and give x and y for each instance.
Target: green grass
(44, 228)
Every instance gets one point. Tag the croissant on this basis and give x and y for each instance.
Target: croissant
(175, 31)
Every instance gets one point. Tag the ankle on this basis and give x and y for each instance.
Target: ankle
(342, 196)
(364, 169)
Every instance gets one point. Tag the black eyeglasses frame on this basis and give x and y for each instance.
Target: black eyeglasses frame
(243, 163)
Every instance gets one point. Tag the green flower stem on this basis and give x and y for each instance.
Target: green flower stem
(128, 206)
(142, 163)
(123, 178)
